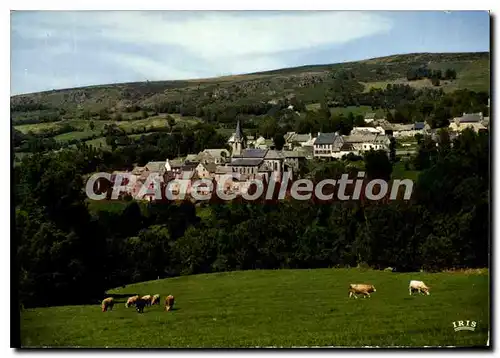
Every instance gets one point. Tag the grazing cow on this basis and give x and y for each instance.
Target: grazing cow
(418, 286)
(147, 299)
(140, 304)
(169, 302)
(363, 289)
(155, 300)
(131, 301)
(107, 303)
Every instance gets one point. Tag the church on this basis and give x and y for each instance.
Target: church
(254, 163)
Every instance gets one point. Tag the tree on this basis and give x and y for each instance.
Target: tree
(279, 140)
(170, 123)
(392, 149)
(399, 117)
(389, 117)
(268, 127)
(440, 118)
(103, 114)
(444, 141)
(359, 121)
(450, 74)
(377, 165)
(426, 153)
(435, 81)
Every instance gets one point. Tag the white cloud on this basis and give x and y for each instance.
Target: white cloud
(221, 34)
(195, 44)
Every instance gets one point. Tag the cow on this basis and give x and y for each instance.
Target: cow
(107, 303)
(140, 304)
(155, 300)
(359, 288)
(131, 301)
(147, 299)
(169, 302)
(418, 286)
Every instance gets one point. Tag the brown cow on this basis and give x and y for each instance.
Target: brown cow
(155, 300)
(107, 303)
(169, 302)
(363, 289)
(131, 301)
(147, 299)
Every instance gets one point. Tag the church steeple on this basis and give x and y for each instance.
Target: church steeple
(239, 140)
(238, 135)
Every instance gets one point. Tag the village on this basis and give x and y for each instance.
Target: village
(251, 158)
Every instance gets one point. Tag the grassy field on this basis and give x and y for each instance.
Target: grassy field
(98, 143)
(473, 76)
(114, 206)
(399, 172)
(356, 110)
(275, 308)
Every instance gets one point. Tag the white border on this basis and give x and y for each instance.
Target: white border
(196, 5)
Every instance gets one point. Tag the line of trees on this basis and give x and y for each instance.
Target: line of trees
(424, 72)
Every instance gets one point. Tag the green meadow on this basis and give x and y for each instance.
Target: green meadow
(284, 308)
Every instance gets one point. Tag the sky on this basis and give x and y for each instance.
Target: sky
(64, 49)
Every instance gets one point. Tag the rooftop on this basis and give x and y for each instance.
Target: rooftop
(470, 118)
(274, 154)
(326, 138)
(217, 153)
(419, 125)
(192, 158)
(155, 166)
(210, 167)
(246, 162)
(294, 154)
(253, 153)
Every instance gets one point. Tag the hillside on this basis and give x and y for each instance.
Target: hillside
(62, 118)
(472, 73)
(275, 308)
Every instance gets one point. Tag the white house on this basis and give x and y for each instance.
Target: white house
(327, 145)
(367, 130)
(408, 130)
(366, 142)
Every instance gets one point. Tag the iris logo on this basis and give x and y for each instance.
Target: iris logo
(464, 325)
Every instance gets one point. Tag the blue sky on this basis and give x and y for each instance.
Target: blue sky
(56, 49)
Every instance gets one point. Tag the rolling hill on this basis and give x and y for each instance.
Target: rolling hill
(81, 114)
(472, 72)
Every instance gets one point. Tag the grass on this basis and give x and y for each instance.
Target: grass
(275, 308)
(345, 110)
(114, 206)
(98, 142)
(471, 75)
(356, 110)
(35, 128)
(399, 172)
(75, 135)
(475, 76)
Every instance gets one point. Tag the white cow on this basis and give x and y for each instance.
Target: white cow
(418, 286)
